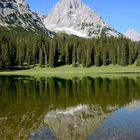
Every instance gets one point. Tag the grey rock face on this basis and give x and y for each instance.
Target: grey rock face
(74, 17)
(16, 13)
(23, 7)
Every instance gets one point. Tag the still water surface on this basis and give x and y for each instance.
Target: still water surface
(85, 108)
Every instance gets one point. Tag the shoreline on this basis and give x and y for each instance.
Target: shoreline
(69, 71)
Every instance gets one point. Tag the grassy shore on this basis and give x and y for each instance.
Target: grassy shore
(68, 70)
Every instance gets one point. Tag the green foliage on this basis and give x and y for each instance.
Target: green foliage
(68, 54)
(138, 58)
(53, 54)
(113, 54)
(6, 55)
(1, 59)
(74, 56)
(97, 56)
(138, 61)
(124, 55)
(40, 57)
(65, 50)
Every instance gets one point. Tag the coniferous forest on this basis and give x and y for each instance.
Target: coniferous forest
(61, 50)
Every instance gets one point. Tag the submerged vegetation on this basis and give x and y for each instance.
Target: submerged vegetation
(66, 50)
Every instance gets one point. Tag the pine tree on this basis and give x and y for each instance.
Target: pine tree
(45, 57)
(97, 56)
(113, 55)
(34, 52)
(29, 55)
(78, 55)
(88, 58)
(40, 57)
(1, 59)
(105, 56)
(83, 56)
(74, 56)
(131, 54)
(53, 54)
(12, 53)
(124, 55)
(68, 52)
(20, 52)
(138, 57)
(5, 55)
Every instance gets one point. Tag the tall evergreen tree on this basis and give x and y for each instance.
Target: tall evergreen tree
(45, 57)
(83, 56)
(53, 54)
(67, 58)
(12, 53)
(138, 57)
(40, 57)
(105, 56)
(5, 55)
(97, 56)
(74, 56)
(1, 59)
(113, 55)
(124, 55)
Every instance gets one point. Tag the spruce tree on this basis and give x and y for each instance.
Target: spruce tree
(97, 56)
(45, 57)
(138, 57)
(83, 56)
(40, 57)
(12, 53)
(1, 59)
(105, 57)
(53, 54)
(67, 57)
(124, 55)
(113, 55)
(74, 56)
(132, 54)
(5, 56)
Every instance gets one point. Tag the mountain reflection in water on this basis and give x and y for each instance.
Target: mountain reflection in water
(76, 109)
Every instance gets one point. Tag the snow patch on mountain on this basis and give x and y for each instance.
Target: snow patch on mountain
(70, 31)
(132, 34)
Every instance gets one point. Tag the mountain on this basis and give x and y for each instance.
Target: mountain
(74, 123)
(77, 122)
(76, 18)
(132, 34)
(16, 14)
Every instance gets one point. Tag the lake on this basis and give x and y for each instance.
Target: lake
(85, 108)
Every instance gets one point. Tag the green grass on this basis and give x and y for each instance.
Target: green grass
(69, 71)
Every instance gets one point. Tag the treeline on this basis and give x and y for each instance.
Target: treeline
(66, 50)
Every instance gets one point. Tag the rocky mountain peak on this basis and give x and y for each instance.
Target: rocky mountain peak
(71, 3)
(22, 6)
(132, 34)
(74, 17)
(16, 13)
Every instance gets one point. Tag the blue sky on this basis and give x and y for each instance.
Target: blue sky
(120, 14)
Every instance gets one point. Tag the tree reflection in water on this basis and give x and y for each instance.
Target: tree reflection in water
(25, 103)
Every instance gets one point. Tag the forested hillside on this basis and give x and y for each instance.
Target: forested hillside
(30, 50)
